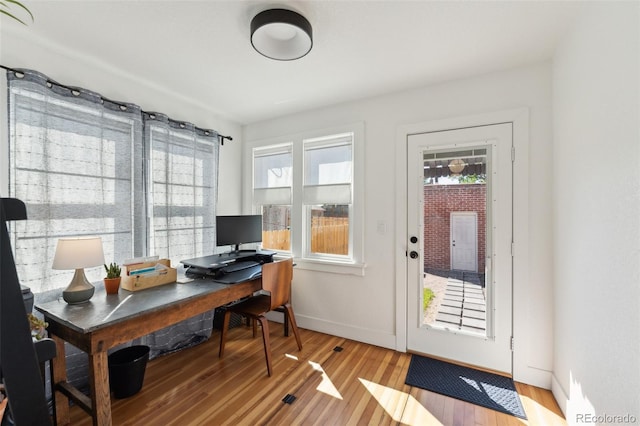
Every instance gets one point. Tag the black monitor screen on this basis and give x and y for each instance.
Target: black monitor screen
(236, 230)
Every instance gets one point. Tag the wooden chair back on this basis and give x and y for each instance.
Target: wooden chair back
(276, 279)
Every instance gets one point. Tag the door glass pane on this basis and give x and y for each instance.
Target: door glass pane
(276, 227)
(455, 224)
(329, 229)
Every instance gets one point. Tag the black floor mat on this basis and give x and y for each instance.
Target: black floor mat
(477, 387)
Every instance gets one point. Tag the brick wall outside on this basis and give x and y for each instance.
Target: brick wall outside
(439, 202)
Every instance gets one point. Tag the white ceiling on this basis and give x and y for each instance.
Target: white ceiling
(201, 49)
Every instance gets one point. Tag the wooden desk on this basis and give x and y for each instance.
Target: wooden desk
(109, 320)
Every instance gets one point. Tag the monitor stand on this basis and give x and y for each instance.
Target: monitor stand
(236, 251)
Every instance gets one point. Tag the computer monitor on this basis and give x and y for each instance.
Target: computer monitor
(236, 230)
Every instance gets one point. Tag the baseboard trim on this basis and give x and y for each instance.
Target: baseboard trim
(364, 335)
(559, 394)
(531, 375)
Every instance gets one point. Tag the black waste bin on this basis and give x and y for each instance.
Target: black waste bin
(126, 370)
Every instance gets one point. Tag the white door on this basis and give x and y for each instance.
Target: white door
(464, 241)
(469, 320)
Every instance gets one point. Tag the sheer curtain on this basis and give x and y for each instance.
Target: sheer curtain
(74, 161)
(182, 187)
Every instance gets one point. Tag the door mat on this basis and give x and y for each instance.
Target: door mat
(477, 387)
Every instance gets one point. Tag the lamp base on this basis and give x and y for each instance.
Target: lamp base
(79, 290)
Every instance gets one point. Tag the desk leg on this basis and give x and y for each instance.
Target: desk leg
(100, 394)
(59, 375)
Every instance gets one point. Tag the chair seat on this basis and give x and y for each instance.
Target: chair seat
(254, 306)
(276, 281)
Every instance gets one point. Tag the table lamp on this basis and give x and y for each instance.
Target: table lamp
(78, 253)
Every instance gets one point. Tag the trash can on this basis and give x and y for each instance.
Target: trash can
(126, 370)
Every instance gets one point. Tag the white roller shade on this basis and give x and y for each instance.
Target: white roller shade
(327, 194)
(272, 196)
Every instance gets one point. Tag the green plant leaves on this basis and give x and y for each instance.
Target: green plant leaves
(5, 5)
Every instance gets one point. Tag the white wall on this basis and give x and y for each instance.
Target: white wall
(596, 217)
(364, 308)
(19, 48)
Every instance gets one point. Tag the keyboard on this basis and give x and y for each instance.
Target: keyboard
(238, 266)
(240, 276)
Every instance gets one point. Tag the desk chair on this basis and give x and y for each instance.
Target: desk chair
(276, 279)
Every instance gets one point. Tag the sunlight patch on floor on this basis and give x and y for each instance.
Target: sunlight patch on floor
(326, 385)
(541, 411)
(401, 406)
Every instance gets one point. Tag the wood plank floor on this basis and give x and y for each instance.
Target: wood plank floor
(360, 385)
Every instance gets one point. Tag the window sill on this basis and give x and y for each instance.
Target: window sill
(331, 266)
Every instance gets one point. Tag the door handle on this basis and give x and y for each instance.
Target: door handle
(413, 254)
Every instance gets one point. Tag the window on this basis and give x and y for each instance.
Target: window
(272, 183)
(74, 169)
(327, 195)
(77, 161)
(306, 191)
(182, 189)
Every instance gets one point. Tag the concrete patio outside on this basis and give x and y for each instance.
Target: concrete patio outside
(459, 301)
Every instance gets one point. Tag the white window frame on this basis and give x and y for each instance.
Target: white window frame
(354, 263)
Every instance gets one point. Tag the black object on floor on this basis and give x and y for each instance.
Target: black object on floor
(477, 387)
(126, 370)
(288, 399)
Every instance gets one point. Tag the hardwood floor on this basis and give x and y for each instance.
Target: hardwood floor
(360, 385)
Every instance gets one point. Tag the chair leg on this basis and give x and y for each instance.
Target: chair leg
(285, 320)
(292, 319)
(223, 332)
(265, 339)
(286, 324)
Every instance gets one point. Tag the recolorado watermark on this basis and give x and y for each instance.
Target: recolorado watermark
(606, 419)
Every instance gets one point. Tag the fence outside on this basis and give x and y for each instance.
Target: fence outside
(277, 240)
(328, 235)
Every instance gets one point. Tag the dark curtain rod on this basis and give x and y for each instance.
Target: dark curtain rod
(221, 137)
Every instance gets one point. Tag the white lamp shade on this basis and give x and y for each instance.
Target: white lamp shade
(77, 253)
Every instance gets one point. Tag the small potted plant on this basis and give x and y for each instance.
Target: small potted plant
(112, 280)
(38, 327)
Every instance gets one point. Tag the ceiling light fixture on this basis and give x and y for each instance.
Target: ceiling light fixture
(281, 34)
(456, 166)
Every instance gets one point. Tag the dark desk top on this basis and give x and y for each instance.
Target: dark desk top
(105, 310)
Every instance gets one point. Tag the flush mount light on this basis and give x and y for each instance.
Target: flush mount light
(281, 34)
(456, 166)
